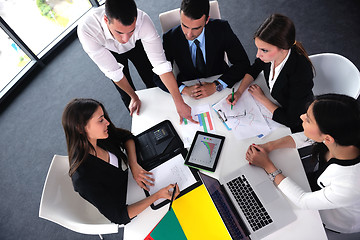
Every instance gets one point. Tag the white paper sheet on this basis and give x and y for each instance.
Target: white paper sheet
(245, 119)
(170, 172)
(267, 116)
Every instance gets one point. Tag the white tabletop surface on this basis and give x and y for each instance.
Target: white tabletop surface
(158, 106)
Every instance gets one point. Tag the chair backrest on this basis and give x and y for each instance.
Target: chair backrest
(335, 74)
(171, 18)
(62, 205)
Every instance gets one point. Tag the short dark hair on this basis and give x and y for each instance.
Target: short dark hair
(124, 11)
(195, 9)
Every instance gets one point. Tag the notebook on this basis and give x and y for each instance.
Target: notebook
(249, 204)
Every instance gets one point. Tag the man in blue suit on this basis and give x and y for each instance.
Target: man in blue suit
(198, 46)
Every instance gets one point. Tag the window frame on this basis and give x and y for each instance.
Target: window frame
(36, 61)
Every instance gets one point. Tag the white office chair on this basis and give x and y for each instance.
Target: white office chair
(335, 74)
(62, 205)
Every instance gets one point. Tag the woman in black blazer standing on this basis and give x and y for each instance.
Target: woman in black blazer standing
(287, 69)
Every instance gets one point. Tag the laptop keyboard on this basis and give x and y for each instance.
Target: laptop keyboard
(249, 203)
(227, 217)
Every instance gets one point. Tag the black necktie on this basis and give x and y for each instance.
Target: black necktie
(200, 63)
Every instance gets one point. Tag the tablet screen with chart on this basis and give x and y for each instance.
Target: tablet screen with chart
(205, 151)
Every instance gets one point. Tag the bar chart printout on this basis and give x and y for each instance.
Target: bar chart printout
(202, 114)
(205, 121)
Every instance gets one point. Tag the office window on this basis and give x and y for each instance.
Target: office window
(12, 59)
(30, 29)
(39, 22)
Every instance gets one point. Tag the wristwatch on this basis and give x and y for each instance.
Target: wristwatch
(218, 85)
(274, 174)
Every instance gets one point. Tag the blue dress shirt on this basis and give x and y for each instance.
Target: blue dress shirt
(192, 47)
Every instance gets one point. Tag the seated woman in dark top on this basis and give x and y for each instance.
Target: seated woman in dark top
(98, 164)
(287, 69)
(333, 122)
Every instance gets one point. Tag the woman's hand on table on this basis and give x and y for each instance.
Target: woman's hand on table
(256, 91)
(257, 155)
(266, 146)
(229, 98)
(143, 178)
(166, 193)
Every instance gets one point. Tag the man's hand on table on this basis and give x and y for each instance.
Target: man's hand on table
(135, 105)
(199, 91)
(184, 111)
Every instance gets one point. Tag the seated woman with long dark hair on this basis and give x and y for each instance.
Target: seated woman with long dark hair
(287, 68)
(98, 155)
(333, 122)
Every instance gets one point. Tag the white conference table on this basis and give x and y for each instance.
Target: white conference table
(158, 106)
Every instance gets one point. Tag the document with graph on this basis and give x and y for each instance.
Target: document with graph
(202, 114)
(245, 118)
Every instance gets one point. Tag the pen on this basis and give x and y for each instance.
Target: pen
(172, 197)
(200, 82)
(232, 98)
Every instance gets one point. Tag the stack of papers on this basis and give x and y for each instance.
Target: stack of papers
(248, 118)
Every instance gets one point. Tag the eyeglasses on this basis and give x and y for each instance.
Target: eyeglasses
(225, 118)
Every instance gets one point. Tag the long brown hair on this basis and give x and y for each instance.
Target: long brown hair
(76, 115)
(279, 30)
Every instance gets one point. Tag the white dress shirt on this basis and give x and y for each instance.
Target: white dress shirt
(97, 40)
(301, 140)
(272, 76)
(113, 160)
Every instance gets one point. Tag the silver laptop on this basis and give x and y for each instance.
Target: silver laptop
(253, 200)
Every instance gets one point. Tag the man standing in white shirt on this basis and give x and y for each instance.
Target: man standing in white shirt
(117, 32)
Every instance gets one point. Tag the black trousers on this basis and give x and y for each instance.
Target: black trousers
(142, 64)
